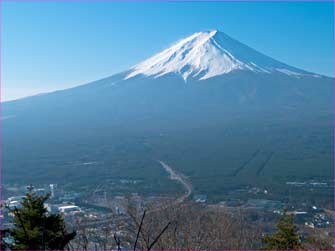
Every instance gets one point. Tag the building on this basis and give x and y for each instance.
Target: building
(52, 190)
(200, 198)
(14, 202)
(69, 209)
(62, 208)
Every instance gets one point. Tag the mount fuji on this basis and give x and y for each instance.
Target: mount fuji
(208, 54)
(193, 105)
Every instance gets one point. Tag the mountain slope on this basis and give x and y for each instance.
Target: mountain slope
(204, 105)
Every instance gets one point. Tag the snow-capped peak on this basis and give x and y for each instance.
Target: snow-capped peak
(208, 54)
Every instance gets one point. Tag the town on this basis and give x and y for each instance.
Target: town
(99, 214)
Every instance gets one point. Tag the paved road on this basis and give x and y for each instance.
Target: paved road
(179, 178)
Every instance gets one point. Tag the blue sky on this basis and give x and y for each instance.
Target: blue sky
(56, 45)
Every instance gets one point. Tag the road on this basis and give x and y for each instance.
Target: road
(179, 178)
(173, 176)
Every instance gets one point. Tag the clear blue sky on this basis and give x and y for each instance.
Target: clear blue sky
(49, 46)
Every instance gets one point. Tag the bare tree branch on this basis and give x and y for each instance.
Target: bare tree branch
(139, 230)
(160, 234)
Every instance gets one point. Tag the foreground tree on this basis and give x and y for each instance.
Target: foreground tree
(285, 238)
(36, 229)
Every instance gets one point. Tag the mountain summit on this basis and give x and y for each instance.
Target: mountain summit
(208, 54)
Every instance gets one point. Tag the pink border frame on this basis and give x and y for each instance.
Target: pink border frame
(156, 1)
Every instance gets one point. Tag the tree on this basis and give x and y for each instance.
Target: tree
(36, 229)
(285, 238)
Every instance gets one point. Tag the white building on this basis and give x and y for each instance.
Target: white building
(69, 209)
(52, 190)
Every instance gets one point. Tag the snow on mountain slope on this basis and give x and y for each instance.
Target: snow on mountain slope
(208, 54)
